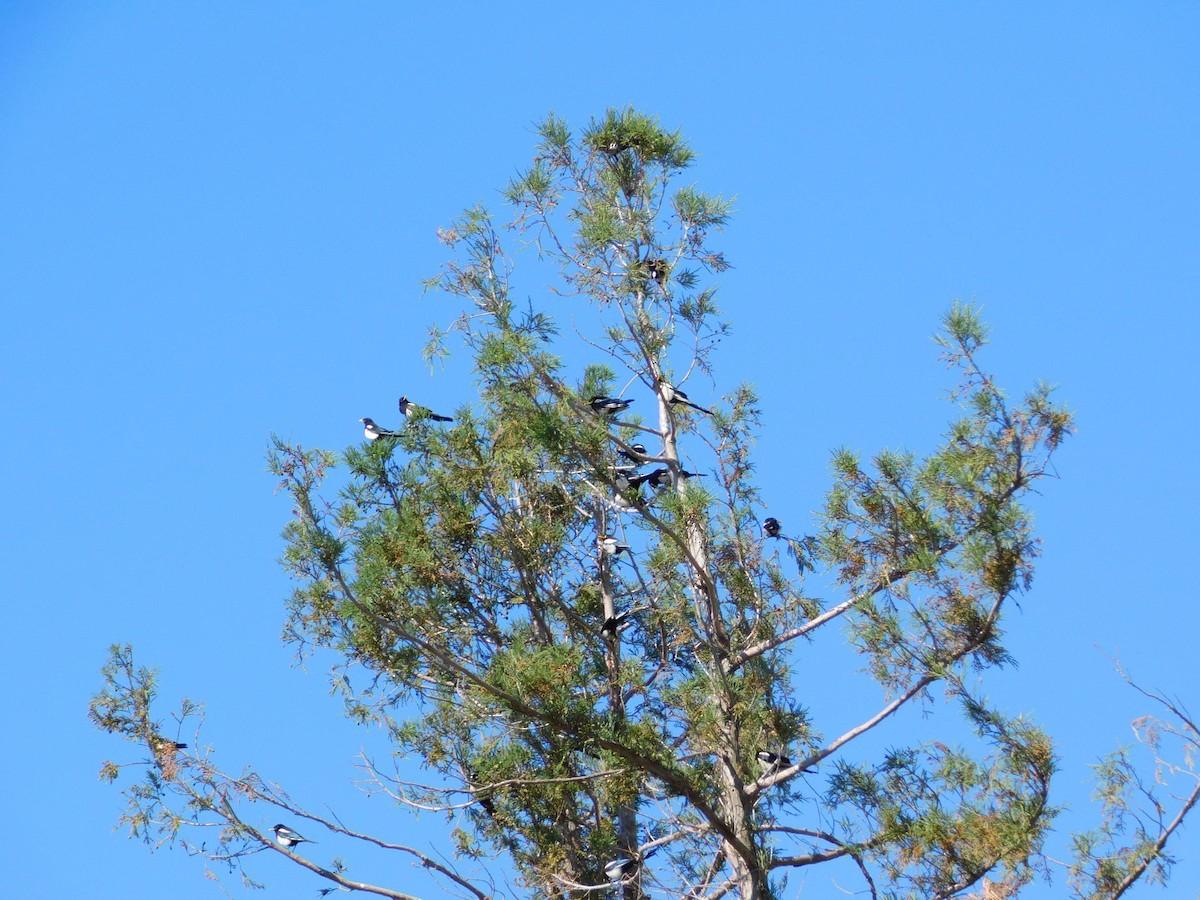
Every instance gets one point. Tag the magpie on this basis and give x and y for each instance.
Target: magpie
(659, 270)
(609, 405)
(620, 869)
(615, 146)
(770, 527)
(621, 502)
(409, 410)
(635, 454)
(622, 476)
(661, 477)
(473, 783)
(288, 838)
(626, 480)
(373, 432)
(773, 762)
(613, 624)
(610, 546)
(623, 866)
(675, 396)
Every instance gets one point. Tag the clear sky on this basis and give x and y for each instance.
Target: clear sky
(213, 219)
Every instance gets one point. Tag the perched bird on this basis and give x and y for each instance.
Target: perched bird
(615, 146)
(635, 454)
(609, 405)
(675, 396)
(373, 432)
(610, 546)
(473, 783)
(622, 502)
(661, 477)
(773, 762)
(627, 481)
(410, 410)
(613, 624)
(623, 477)
(628, 484)
(771, 527)
(659, 270)
(288, 838)
(620, 869)
(162, 745)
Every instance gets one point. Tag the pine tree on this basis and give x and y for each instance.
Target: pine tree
(593, 646)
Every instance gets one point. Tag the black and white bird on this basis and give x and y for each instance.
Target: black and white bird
(676, 397)
(610, 546)
(625, 477)
(473, 783)
(410, 410)
(770, 527)
(610, 406)
(661, 477)
(774, 762)
(632, 479)
(621, 868)
(635, 454)
(613, 624)
(373, 432)
(288, 838)
(622, 500)
(658, 269)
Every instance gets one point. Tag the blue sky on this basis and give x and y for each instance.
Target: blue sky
(215, 217)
